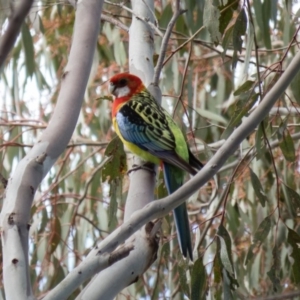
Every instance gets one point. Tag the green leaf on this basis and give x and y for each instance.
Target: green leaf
(294, 241)
(287, 147)
(294, 197)
(262, 12)
(274, 272)
(218, 266)
(260, 145)
(226, 14)
(225, 251)
(227, 286)
(227, 40)
(183, 279)
(258, 189)
(295, 86)
(241, 109)
(115, 168)
(55, 234)
(211, 20)
(28, 47)
(113, 203)
(59, 274)
(198, 280)
(239, 30)
(224, 255)
(246, 87)
(211, 116)
(166, 16)
(259, 237)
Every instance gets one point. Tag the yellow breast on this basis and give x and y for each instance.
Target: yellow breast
(134, 148)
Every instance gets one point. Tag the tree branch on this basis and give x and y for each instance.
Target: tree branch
(34, 166)
(88, 267)
(16, 19)
(164, 44)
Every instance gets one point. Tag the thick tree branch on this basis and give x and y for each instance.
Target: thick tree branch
(34, 166)
(87, 270)
(18, 14)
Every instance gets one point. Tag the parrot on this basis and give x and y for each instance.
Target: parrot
(148, 131)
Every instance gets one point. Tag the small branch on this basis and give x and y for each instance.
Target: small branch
(281, 296)
(274, 144)
(185, 43)
(165, 41)
(16, 19)
(114, 22)
(153, 26)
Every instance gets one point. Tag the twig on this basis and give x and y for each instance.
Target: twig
(71, 145)
(16, 19)
(165, 40)
(281, 296)
(223, 198)
(183, 44)
(153, 26)
(114, 22)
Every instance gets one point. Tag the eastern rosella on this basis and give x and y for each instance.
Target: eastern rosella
(149, 131)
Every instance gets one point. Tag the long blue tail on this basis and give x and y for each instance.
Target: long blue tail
(173, 180)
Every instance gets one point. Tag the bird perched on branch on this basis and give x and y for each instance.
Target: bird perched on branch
(149, 131)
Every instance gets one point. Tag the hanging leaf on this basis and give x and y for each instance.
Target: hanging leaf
(227, 286)
(115, 187)
(225, 252)
(198, 280)
(239, 30)
(241, 109)
(287, 147)
(227, 40)
(294, 198)
(211, 20)
(260, 145)
(294, 241)
(258, 189)
(55, 234)
(295, 86)
(59, 273)
(28, 47)
(262, 12)
(259, 237)
(225, 257)
(183, 279)
(246, 87)
(274, 272)
(227, 11)
(116, 167)
(218, 266)
(211, 116)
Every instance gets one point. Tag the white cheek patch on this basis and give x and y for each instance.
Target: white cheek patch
(122, 91)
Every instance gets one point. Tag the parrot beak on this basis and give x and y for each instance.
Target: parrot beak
(112, 88)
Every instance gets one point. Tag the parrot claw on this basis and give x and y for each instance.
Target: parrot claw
(146, 166)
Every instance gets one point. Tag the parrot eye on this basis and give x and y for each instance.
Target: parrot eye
(122, 82)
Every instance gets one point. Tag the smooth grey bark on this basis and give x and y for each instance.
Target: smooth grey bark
(88, 269)
(21, 188)
(18, 14)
